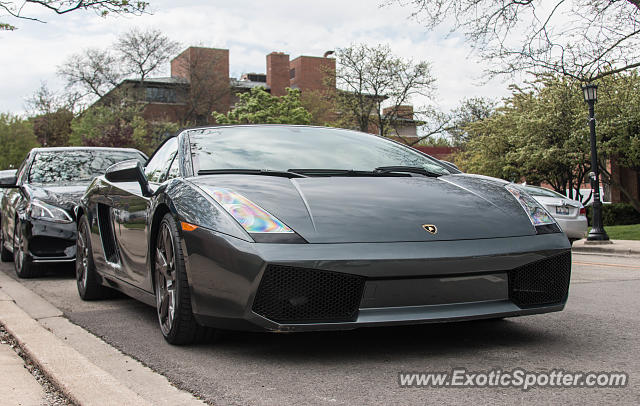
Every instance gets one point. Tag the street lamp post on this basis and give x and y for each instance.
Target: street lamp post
(597, 232)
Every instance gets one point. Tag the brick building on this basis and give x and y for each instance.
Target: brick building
(200, 84)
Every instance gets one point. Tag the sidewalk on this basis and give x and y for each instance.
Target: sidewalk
(615, 247)
(17, 385)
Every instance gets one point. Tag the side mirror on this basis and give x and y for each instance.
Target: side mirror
(129, 171)
(8, 181)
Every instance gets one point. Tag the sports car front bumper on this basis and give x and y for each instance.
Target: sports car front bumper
(300, 287)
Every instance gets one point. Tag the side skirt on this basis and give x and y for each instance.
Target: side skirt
(130, 290)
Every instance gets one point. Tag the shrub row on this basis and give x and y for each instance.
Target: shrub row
(616, 214)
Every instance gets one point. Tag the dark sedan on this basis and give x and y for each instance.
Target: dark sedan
(294, 228)
(37, 218)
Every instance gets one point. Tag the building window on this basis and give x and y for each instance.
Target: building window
(160, 95)
(292, 73)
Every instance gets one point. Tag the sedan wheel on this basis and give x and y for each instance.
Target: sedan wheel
(5, 254)
(173, 295)
(23, 265)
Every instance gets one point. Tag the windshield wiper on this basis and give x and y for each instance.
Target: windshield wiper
(344, 172)
(264, 172)
(407, 169)
(330, 172)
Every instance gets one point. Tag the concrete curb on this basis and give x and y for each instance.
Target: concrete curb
(617, 247)
(79, 379)
(82, 366)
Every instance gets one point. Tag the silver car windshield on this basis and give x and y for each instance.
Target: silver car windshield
(539, 191)
(281, 148)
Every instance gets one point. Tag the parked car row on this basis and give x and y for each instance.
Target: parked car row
(37, 219)
(286, 228)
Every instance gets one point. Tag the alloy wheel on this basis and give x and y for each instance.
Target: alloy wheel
(18, 250)
(165, 267)
(82, 262)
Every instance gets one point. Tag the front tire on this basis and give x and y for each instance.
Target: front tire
(87, 280)
(173, 295)
(23, 265)
(5, 254)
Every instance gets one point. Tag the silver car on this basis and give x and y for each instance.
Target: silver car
(570, 214)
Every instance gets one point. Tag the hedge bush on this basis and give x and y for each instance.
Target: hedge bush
(616, 214)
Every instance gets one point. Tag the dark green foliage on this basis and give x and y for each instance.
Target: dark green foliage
(616, 214)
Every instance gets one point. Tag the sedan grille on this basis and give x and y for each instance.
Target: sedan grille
(542, 282)
(299, 295)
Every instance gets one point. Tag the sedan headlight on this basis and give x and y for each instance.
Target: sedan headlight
(537, 214)
(253, 218)
(44, 211)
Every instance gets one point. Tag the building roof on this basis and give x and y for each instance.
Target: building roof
(165, 81)
(247, 84)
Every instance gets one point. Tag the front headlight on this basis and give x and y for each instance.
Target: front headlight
(537, 214)
(253, 218)
(44, 211)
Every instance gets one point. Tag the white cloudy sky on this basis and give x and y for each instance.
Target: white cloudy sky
(250, 30)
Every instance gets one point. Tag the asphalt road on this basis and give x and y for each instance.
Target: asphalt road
(598, 331)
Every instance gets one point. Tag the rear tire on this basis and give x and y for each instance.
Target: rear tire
(5, 254)
(173, 295)
(23, 265)
(87, 280)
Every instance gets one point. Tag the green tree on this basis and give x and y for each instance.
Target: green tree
(118, 126)
(51, 114)
(16, 138)
(539, 135)
(470, 110)
(322, 106)
(259, 107)
(53, 129)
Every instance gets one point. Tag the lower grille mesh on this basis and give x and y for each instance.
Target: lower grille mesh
(542, 282)
(299, 295)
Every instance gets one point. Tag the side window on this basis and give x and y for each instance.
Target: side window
(21, 169)
(159, 164)
(174, 169)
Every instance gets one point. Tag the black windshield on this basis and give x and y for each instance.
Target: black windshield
(74, 166)
(279, 148)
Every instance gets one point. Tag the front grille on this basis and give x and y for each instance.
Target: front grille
(50, 247)
(542, 282)
(299, 295)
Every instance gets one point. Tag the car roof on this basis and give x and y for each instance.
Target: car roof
(54, 149)
(212, 126)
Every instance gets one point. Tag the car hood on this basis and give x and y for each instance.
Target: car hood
(65, 196)
(383, 209)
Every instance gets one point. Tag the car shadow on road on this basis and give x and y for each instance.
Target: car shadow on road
(383, 342)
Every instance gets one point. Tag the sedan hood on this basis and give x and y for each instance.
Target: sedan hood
(383, 209)
(64, 196)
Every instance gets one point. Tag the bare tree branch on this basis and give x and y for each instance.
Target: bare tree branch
(143, 52)
(103, 8)
(582, 39)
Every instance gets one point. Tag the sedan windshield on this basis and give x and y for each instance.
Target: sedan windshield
(539, 191)
(72, 166)
(280, 148)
